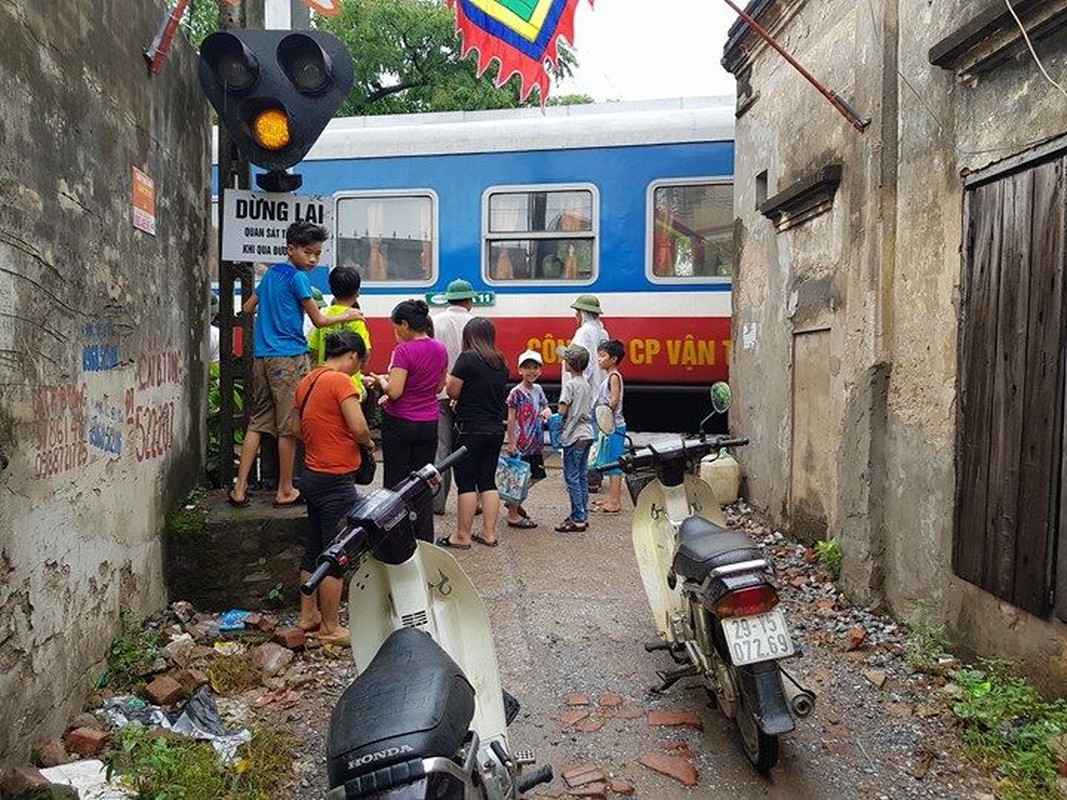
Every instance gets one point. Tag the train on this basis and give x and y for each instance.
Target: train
(628, 201)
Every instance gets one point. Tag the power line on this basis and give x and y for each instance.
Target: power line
(1033, 52)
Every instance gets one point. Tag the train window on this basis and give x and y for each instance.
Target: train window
(691, 230)
(389, 237)
(536, 234)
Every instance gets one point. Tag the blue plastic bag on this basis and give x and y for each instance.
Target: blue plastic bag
(512, 479)
(555, 431)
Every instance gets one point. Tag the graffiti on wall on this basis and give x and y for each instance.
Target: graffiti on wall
(77, 423)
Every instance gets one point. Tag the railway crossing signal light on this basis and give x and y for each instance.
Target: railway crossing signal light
(275, 91)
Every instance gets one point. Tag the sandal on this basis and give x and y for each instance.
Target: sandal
(570, 526)
(525, 523)
(482, 540)
(296, 501)
(233, 501)
(444, 541)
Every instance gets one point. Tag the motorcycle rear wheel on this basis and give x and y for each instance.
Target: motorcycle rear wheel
(760, 749)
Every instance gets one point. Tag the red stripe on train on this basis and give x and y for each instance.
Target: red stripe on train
(658, 350)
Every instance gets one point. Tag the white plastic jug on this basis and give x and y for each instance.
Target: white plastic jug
(723, 475)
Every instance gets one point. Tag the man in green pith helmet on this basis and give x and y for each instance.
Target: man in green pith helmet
(448, 328)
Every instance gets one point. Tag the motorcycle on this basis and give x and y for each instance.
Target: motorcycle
(427, 716)
(710, 589)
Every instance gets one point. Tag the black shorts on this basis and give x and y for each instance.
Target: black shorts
(329, 498)
(537, 466)
(477, 472)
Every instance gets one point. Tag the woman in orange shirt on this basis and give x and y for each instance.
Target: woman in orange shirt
(328, 418)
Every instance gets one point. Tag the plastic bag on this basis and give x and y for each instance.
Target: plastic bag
(512, 479)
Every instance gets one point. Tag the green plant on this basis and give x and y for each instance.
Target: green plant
(829, 553)
(927, 642)
(1009, 727)
(131, 654)
(275, 596)
(162, 766)
(213, 455)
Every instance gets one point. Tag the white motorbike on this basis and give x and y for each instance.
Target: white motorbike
(426, 717)
(710, 589)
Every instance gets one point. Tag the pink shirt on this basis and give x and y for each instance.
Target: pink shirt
(425, 361)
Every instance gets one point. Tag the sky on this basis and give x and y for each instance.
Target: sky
(631, 50)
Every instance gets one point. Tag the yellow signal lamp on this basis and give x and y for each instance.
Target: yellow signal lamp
(270, 129)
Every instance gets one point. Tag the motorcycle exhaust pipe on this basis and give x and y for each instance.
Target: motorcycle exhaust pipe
(801, 700)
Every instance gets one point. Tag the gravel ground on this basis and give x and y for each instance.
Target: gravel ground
(569, 617)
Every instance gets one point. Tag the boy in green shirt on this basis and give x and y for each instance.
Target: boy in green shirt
(344, 285)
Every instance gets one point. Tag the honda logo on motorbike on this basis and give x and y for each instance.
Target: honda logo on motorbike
(370, 758)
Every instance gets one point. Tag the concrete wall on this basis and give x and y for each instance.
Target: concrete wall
(101, 332)
(878, 276)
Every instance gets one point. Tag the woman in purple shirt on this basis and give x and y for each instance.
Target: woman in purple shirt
(409, 422)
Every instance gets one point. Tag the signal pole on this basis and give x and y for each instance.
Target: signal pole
(234, 172)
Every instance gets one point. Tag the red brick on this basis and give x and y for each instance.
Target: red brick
(293, 638)
(164, 690)
(573, 716)
(611, 700)
(267, 624)
(671, 766)
(589, 790)
(49, 753)
(576, 699)
(580, 774)
(856, 637)
(86, 742)
(627, 713)
(253, 620)
(190, 679)
(22, 778)
(589, 725)
(675, 718)
(622, 787)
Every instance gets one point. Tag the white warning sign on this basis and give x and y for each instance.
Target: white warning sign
(254, 224)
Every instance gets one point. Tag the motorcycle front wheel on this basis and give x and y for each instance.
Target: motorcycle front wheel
(760, 748)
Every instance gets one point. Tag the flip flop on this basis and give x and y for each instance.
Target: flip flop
(296, 501)
(525, 523)
(444, 541)
(233, 501)
(603, 510)
(482, 540)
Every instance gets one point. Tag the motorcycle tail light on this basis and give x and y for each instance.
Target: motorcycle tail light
(747, 602)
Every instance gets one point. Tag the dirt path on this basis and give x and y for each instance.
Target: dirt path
(569, 617)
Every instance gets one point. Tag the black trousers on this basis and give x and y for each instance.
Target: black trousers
(406, 447)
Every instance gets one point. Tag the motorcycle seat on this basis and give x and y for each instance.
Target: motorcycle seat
(411, 702)
(704, 546)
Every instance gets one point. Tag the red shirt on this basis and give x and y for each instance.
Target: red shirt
(328, 444)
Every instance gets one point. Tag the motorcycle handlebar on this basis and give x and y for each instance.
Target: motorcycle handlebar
(337, 553)
(670, 450)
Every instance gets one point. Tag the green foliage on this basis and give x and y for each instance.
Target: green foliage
(158, 765)
(829, 553)
(131, 654)
(213, 456)
(275, 596)
(927, 642)
(407, 60)
(1010, 728)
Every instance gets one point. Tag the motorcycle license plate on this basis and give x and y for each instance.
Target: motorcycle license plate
(763, 637)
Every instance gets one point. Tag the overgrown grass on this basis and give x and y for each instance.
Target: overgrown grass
(131, 654)
(1010, 728)
(927, 641)
(830, 558)
(232, 675)
(158, 765)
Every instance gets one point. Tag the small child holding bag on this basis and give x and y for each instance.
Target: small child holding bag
(576, 406)
(527, 412)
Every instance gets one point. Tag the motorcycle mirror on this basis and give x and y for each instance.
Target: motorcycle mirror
(605, 419)
(722, 397)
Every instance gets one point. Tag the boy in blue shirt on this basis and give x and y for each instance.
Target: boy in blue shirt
(280, 356)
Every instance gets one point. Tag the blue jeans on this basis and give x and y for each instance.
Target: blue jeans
(575, 458)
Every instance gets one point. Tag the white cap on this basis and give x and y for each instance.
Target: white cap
(530, 355)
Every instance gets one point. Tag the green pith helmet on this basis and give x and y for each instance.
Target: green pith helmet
(459, 289)
(587, 302)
